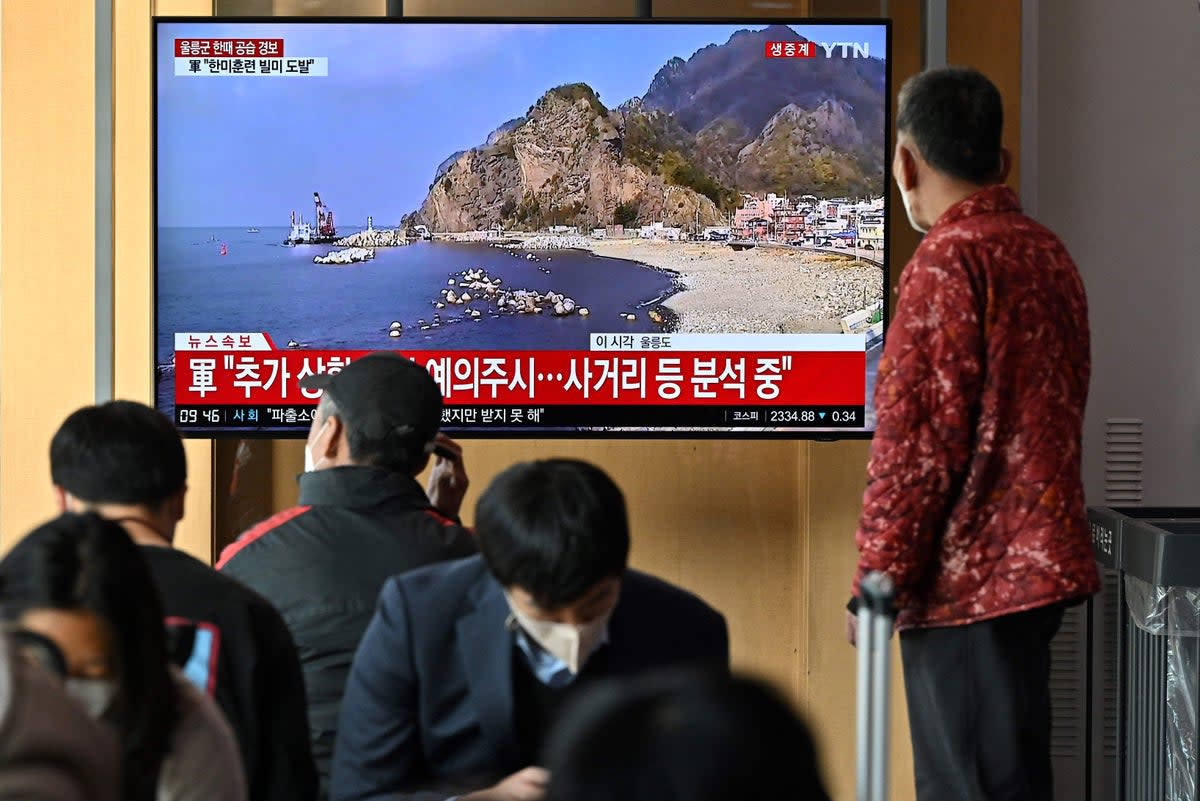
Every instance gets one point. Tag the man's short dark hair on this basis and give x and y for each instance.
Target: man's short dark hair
(681, 736)
(119, 452)
(955, 117)
(554, 528)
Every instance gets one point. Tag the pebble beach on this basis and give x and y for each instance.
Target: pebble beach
(761, 290)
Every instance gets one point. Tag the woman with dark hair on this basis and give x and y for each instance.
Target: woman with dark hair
(80, 582)
(683, 737)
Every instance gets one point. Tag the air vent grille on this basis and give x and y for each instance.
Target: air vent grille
(1123, 460)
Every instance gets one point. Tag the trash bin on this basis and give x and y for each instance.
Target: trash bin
(1161, 560)
(1145, 654)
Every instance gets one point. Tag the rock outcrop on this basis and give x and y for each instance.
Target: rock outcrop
(563, 164)
(379, 238)
(821, 148)
(344, 257)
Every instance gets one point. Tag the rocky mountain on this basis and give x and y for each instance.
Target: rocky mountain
(822, 148)
(563, 164)
(736, 81)
(727, 95)
(726, 120)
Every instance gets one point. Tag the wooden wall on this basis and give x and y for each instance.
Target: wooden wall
(47, 281)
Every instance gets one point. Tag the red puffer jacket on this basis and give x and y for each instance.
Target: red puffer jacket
(974, 503)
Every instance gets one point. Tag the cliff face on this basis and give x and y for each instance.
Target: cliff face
(563, 164)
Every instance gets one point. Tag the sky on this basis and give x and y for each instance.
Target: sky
(398, 100)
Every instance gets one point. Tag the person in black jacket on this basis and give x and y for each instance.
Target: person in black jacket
(125, 461)
(362, 518)
(466, 665)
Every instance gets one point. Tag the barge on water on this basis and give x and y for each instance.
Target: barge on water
(322, 232)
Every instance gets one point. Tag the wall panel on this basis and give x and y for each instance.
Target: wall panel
(47, 256)
(133, 293)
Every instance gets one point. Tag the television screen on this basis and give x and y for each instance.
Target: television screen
(587, 228)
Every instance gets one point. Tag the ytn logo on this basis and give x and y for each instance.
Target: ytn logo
(811, 49)
(846, 49)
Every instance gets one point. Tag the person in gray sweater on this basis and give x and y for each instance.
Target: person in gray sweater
(50, 750)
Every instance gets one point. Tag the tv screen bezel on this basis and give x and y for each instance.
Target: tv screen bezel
(707, 434)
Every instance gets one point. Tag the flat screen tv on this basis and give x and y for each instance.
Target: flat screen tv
(580, 228)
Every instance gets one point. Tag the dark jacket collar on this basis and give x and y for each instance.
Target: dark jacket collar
(485, 642)
(989, 200)
(360, 487)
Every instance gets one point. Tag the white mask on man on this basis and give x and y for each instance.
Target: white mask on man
(309, 464)
(908, 211)
(95, 695)
(570, 644)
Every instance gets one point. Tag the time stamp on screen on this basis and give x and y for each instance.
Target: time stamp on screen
(193, 416)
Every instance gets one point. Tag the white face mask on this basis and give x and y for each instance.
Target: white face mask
(908, 210)
(95, 695)
(570, 644)
(309, 464)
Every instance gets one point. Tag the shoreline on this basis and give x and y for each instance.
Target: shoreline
(660, 301)
(761, 290)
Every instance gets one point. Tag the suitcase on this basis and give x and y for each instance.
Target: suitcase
(875, 615)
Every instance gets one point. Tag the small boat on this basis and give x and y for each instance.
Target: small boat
(252, 230)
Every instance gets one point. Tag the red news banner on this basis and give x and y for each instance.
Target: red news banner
(824, 378)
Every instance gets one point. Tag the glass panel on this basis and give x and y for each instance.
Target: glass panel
(299, 8)
(518, 8)
(731, 8)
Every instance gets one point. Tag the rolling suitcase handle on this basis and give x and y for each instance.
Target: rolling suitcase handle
(875, 613)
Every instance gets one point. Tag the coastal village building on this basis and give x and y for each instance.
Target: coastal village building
(781, 219)
(659, 231)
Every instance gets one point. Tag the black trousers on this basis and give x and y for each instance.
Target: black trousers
(979, 707)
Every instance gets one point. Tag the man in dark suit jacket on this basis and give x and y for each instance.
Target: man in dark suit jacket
(466, 664)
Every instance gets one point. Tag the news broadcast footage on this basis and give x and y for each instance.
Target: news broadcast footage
(578, 228)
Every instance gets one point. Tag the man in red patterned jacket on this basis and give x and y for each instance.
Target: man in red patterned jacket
(974, 502)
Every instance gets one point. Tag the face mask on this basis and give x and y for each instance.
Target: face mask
(96, 695)
(908, 211)
(309, 464)
(572, 645)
